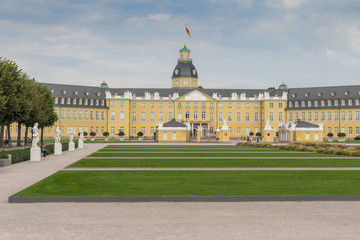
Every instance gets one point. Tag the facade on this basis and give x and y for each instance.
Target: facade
(131, 110)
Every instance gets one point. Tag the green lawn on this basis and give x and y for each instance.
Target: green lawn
(196, 183)
(190, 150)
(195, 162)
(208, 154)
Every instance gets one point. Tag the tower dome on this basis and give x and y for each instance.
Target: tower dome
(283, 86)
(104, 85)
(185, 74)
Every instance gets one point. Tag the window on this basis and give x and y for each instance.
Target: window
(80, 115)
(165, 135)
(309, 116)
(97, 130)
(296, 104)
(91, 115)
(211, 130)
(303, 103)
(86, 101)
(86, 115)
(329, 129)
(122, 129)
(322, 116)
(102, 130)
(280, 105)
(247, 116)
(174, 135)
(211, 105)
(195, 115)
(203, 105)
(62, 114)
(170, 116)
(102, 115)
(211, 116)
(97, 115)
(271, 116)
(307, 136)
(247, 131)
(316, 136)
(185, 82)
(280, 116)
(350, 130)
(329, 103)
(343, 129)
(316, 103)
(238, 105)
(357, 115)
(97, 102)
(112, 131)
(290, 104)
(297, 116)
(357, 130)
(350, 116)
(195, 105)
(179, 105)
(290, 117)
(142, 116)
(68, 101)
(68, 114)
(134, 130)
(256, 130)
(170, 105)
(343, 115)
(161, 116)
(238, 116)
(56, 100)
(122, 104)
(271, 105)
(133, 105)
(179, 116)
(187, 115)
(112, 104)
(229, 116)
(357, 102)
(122, 116)
(229, 105)
(203, 115)
(316, 116)
(329, 116)
(143, 130)
(322, 103)
(220, 105)
(80, 101)
(152, 130)
(91, 102)
(256, 116)
(152, 116)
(102, 102)
(238, 131)
(161, 105)
(343, 102)
(221, 116)
(303, 116)
(336, 116)
(336, 102)
(187, 105)
(133, 116)
(336, 131)
(143, 105)
(230, 130)
(247, 106)
(256, 106)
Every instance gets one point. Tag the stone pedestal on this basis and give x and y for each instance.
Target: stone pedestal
(5, 162)
(81, 143)
(58, 149)
(224, 135)
(71, 146)
(35, 154)
(198, 135)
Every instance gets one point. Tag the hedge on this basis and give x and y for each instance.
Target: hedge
(20, 155)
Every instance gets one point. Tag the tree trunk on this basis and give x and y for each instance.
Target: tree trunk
(2, 136)
(9, 134)
(26, 135)
(19, 136)
(42, 136)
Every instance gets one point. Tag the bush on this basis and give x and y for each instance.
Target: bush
(330, 135)
(258, 134)
(251, 134)
(105, 134)
(85, 134)
(341, 135)
(18, 155)
(92, 134)
(121, 133)
(140, 134)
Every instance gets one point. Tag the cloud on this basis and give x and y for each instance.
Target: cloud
(293, 3)
(159, 17)
(330, 53)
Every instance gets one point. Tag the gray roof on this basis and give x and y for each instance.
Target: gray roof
(173, 123)
(303, 124)
(185, 69)
(339, 92)
(71, 90)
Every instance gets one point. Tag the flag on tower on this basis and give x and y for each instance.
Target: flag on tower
(187, 31)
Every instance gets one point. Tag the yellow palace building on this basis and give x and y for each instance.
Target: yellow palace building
(131, 110)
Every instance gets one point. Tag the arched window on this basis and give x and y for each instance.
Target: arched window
(203, 115)
(322, 103)
(336, 102)
(329, 103)
(187, 115)
(296, 104)
(309, 103)
(195, 115)
(303, 103)
(349, 102)
(316, 103)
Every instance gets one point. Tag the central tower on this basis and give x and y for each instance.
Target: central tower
(185, 74)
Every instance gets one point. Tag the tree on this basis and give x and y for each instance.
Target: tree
(200, 87)
(271, 88)
(258, 134)
(330, 135)
(11, 85)
(92, 134)
(106, 134)
(121, 133)
(251, 134)
(140, 134)
(340, 135)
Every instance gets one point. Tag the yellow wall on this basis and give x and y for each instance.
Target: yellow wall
(181, 136)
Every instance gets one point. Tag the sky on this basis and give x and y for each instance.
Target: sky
(136, 43)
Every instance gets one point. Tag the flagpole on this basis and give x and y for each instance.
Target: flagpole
(184, 35)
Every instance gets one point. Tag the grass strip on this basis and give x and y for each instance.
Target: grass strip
(194, 162)
(199, 183)
(191, 150)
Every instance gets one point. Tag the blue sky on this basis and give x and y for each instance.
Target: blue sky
(135, 43)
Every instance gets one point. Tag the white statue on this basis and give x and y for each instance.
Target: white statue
(71, 135)
(81, 134)
(35, 134)
(57, 135)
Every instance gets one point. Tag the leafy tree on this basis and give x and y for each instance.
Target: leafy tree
(258, 134)
(200, 87)
(330, 135)
(106, 134)
(92, 134)
(251, 134)
(140, 134)
(121, 133)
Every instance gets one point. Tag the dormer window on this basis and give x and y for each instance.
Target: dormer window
(319, 94)
(346, 93)
(56, 100)
(91, 102)
(290, 104)
(64, 92)
(336, 102)
(329, 103)
(293, 95)
(296, 104)
(333, 94)
(343, 102)
(74, 101)
(316, 103)
(68, 101)
(322, 103)
(309, 103)
(350, 102)
(98, 94)
(102, 102)
(87, 93)
(306, 95)
(303, 103)
(86, 102)
(357, 102)
(62, 101)
(52, 91)
(97, 102)
(80, 101)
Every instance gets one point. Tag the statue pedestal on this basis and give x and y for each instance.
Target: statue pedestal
(71, 146)
(58, 149)
(35, 154)
(81, 143)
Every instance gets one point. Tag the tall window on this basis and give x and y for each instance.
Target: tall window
(343, 115)
(161, 116)
(229, 116)
(133, 116)
(68, 114)
(211, 116)
(309, 116)
(62, 114)
(112, 115)
(329, 116)
(297, 116)
(102, 115)
(271, 105)
(134, 130)
(256, 116)
(350, 116)
(133, 105)
(179, 116)
(91, 115)
(238, 105)
(97, 115)
(152, 116)
(195, 115)
(238, 131)
(316, 116)
(322, 116)
(74, 115)
(357, 115)
(86, 115)
(143, 105)
(143, 130)
(229, 105)
(271, 116)
(238, 116)
(170, 116)
(336, 116)
(280, 105)
(303, 116)
(187, 115)
(290, 117)
(112, 131)
(142, 116)
(203, 115)
(280, 116)
(247, 116)
(170, 105)
(221, 116)
(122, 116)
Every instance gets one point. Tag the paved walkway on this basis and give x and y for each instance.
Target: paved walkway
(218, 169)
(163, 220)
(220, 157)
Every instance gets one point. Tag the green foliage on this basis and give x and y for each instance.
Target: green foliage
(258, 134)
(251, 133)
(18, 155)
(140, 134)
(105, 134)
(330, 135)
(92, 134)
(121, 133)
(340, 135)
(85, 134)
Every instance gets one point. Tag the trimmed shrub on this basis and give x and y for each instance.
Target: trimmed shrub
(18, 155)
